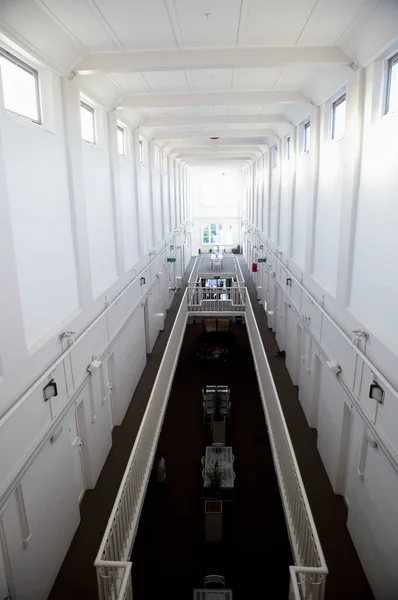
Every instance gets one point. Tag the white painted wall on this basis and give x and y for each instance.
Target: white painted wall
(76, 228)
(343, 249)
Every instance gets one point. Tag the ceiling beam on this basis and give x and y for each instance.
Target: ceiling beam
(215, 58)
(178, 120)
(217, 144)
(212, 98)
(203, 134)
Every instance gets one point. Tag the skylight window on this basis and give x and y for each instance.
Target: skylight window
(392, 85)
(338, 117)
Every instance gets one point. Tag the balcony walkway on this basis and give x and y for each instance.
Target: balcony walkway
(77, 575)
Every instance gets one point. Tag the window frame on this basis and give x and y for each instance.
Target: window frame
(288, 144)
(335, 104)
(122, 129)
(84, 104)
(393, 60)
(306, 138)
(29, 69)
(274, 156)
(141, 151)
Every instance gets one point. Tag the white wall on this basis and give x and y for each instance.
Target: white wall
(342, 250)
(216, 198)
(77, 223)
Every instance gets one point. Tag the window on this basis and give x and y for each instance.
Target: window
(87, 122)
(120, 140)
(20, 87)
(274, 156)
(141, 151)
(157, 159)
(217, 233)
(288, 148)
(392, 85)
(307, 132)
(338, 117)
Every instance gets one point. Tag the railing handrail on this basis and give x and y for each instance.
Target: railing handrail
(303, 493)
(99, 561)
(11, 409)
(331, 320)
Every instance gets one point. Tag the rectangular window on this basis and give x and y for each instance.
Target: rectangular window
(338, 117)
(288, 148)
(141, 151)
(20, 87)
(274, 156)
(217, 233)
(307, 132)
(157, 159)
(120, 140)
(392, 85)
(87, 122)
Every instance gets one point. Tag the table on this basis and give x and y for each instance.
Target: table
(209, 400)
(216, 261)
(210, 594)
(224, 457)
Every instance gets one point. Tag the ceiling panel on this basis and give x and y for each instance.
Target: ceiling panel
(131, 82)
(139, 25)
(329, 21)
(205, 80)
(166, 81)
(245, 109)
(219, 28)
(38, 29)
(218, 109)
(182, 110)
(79, 20)
(274, 23)
(101, 86)
(151, 111)
(292, 78)
(241, 126)
(214, 127)
(255, 79)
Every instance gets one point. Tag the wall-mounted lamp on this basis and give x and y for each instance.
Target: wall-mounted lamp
(142, 281)
(376, 392)
(261, 246)
(171, 247)
(289, 281)
(94, 366)
(50, 390)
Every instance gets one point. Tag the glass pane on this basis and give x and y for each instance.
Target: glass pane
(393, 88)
(87, 122)
(120, 140)
(339, 119)
(205, 240)
(214, 239)
(307, 131)
(141, 151)
(19, 89)
(213, 228)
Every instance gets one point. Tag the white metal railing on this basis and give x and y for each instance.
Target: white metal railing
(308, 575)
(194, 272)
(215, 300)
(112, 561)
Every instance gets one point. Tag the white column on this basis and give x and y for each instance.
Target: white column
(115, 190)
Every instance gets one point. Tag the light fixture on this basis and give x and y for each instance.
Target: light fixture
(376, 392)
(261, 247)
(142, 281)
(94, 366)
(171, 247)
(50, 390)
(289, 281)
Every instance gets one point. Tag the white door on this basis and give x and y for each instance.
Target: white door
(77, 443)
(316, 391)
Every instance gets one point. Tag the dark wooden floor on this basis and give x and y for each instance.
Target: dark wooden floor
(169, 546)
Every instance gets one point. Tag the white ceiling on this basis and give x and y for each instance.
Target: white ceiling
(230, 59)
